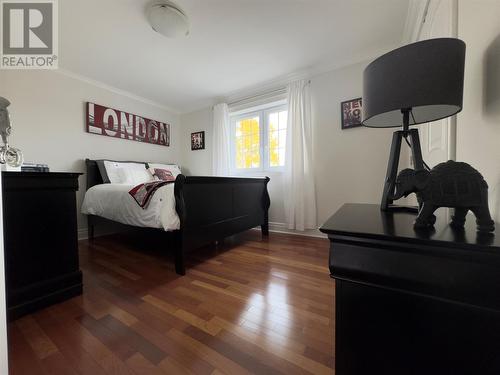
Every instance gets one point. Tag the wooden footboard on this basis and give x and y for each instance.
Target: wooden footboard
(209, 208)
(212, 208)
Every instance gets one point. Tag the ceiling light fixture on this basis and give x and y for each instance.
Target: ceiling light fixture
(168, 19)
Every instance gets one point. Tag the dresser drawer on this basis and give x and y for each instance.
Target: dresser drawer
(427, 271)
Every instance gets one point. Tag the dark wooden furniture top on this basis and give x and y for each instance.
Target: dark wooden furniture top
(368, 221)
(410, 301)
(416, 258)
(39, 180)
(40, 232)
(209, 209)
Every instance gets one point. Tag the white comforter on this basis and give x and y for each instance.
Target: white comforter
(113, 202)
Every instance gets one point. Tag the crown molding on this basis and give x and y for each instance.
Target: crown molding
(115, 90)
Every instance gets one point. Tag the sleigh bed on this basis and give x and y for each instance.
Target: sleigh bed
(209, 209)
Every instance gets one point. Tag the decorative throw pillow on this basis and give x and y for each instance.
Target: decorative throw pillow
(175, 169)
(163, 174)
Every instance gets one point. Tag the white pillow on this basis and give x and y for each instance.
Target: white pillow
(112, 168)
(134, 176)
(175, 169)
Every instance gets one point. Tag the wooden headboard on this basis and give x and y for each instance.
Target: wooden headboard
(93, 174)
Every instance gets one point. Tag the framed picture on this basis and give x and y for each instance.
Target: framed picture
(351, 112)
(198, 141)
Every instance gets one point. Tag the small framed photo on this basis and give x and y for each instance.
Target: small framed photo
(198, 141)
(351, 113)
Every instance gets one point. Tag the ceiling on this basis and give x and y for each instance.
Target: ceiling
(234, 44)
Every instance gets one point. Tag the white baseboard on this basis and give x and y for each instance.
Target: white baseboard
(83, 234)
(282, 228)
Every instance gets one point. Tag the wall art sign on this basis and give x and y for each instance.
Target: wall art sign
(111, 122)
(198, 141)
(351, 113)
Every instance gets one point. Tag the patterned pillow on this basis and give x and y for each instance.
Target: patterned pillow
(163, 174)
(175, 169)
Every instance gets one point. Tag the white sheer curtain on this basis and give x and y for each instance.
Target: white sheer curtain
(300, 197)
(221, 150)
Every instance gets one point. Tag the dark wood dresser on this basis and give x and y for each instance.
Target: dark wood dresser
(41, 245)
(411, 302)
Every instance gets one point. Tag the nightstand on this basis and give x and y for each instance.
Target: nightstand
(413, 301)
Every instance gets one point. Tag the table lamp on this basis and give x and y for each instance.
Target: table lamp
(415, 84)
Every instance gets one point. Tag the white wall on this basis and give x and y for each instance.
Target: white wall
(350, 165)
(197, 162)
(478, 125)
(48, 118)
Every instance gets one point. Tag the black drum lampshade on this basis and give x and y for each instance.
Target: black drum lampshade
(426, 76)
(418, 83)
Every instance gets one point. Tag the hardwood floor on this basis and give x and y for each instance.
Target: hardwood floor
(249, 306)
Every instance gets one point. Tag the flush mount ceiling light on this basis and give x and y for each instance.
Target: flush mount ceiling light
(168, 19)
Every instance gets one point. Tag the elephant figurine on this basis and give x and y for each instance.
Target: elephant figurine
(449, 184)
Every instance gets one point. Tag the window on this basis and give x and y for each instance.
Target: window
(259, 139)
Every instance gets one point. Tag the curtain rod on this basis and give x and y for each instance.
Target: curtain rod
(260, 95)
(281, 90)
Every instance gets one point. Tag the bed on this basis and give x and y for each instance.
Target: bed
(195, 210)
